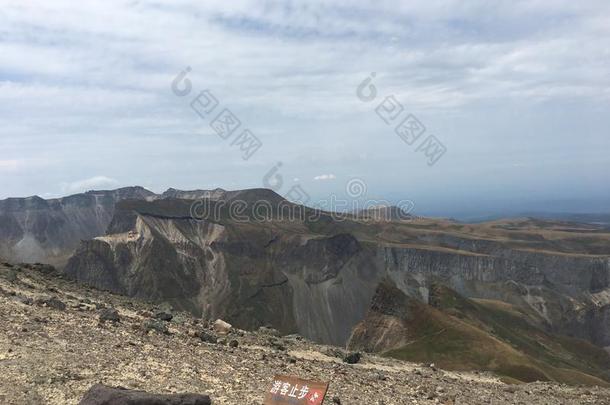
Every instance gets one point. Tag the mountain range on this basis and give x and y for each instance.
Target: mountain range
(34, 229)
(413, 288)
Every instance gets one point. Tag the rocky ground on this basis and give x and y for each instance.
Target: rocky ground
(57, 339)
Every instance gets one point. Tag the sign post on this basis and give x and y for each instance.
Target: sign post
(287, 390)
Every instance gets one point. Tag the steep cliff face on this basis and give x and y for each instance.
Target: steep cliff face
(569, 293)
(386, 324)
(33, 229)
(37, 230)
(317, 276)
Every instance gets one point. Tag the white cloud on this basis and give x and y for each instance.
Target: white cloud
(9, 165)
(325, 177)
(23, 165)
(97, 182)
(86, 84)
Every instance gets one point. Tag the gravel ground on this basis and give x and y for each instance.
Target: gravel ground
(51, 354)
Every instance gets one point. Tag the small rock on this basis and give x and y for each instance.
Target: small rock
(163, 316)
(157, 326)
(44, 268)
(334, 352)
(101, 394)
(110, 314)
(233, 343)
(352, 358)
(51, 302)
(295, 336)
(336, 400)
(269, 331)
(277, 344)
(25, 300)
(11, 276)
(83, 307)
(207, 337)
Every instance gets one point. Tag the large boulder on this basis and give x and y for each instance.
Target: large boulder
(221, 327)
(100, 394)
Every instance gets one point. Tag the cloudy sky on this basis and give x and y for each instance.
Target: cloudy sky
(517, 92)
